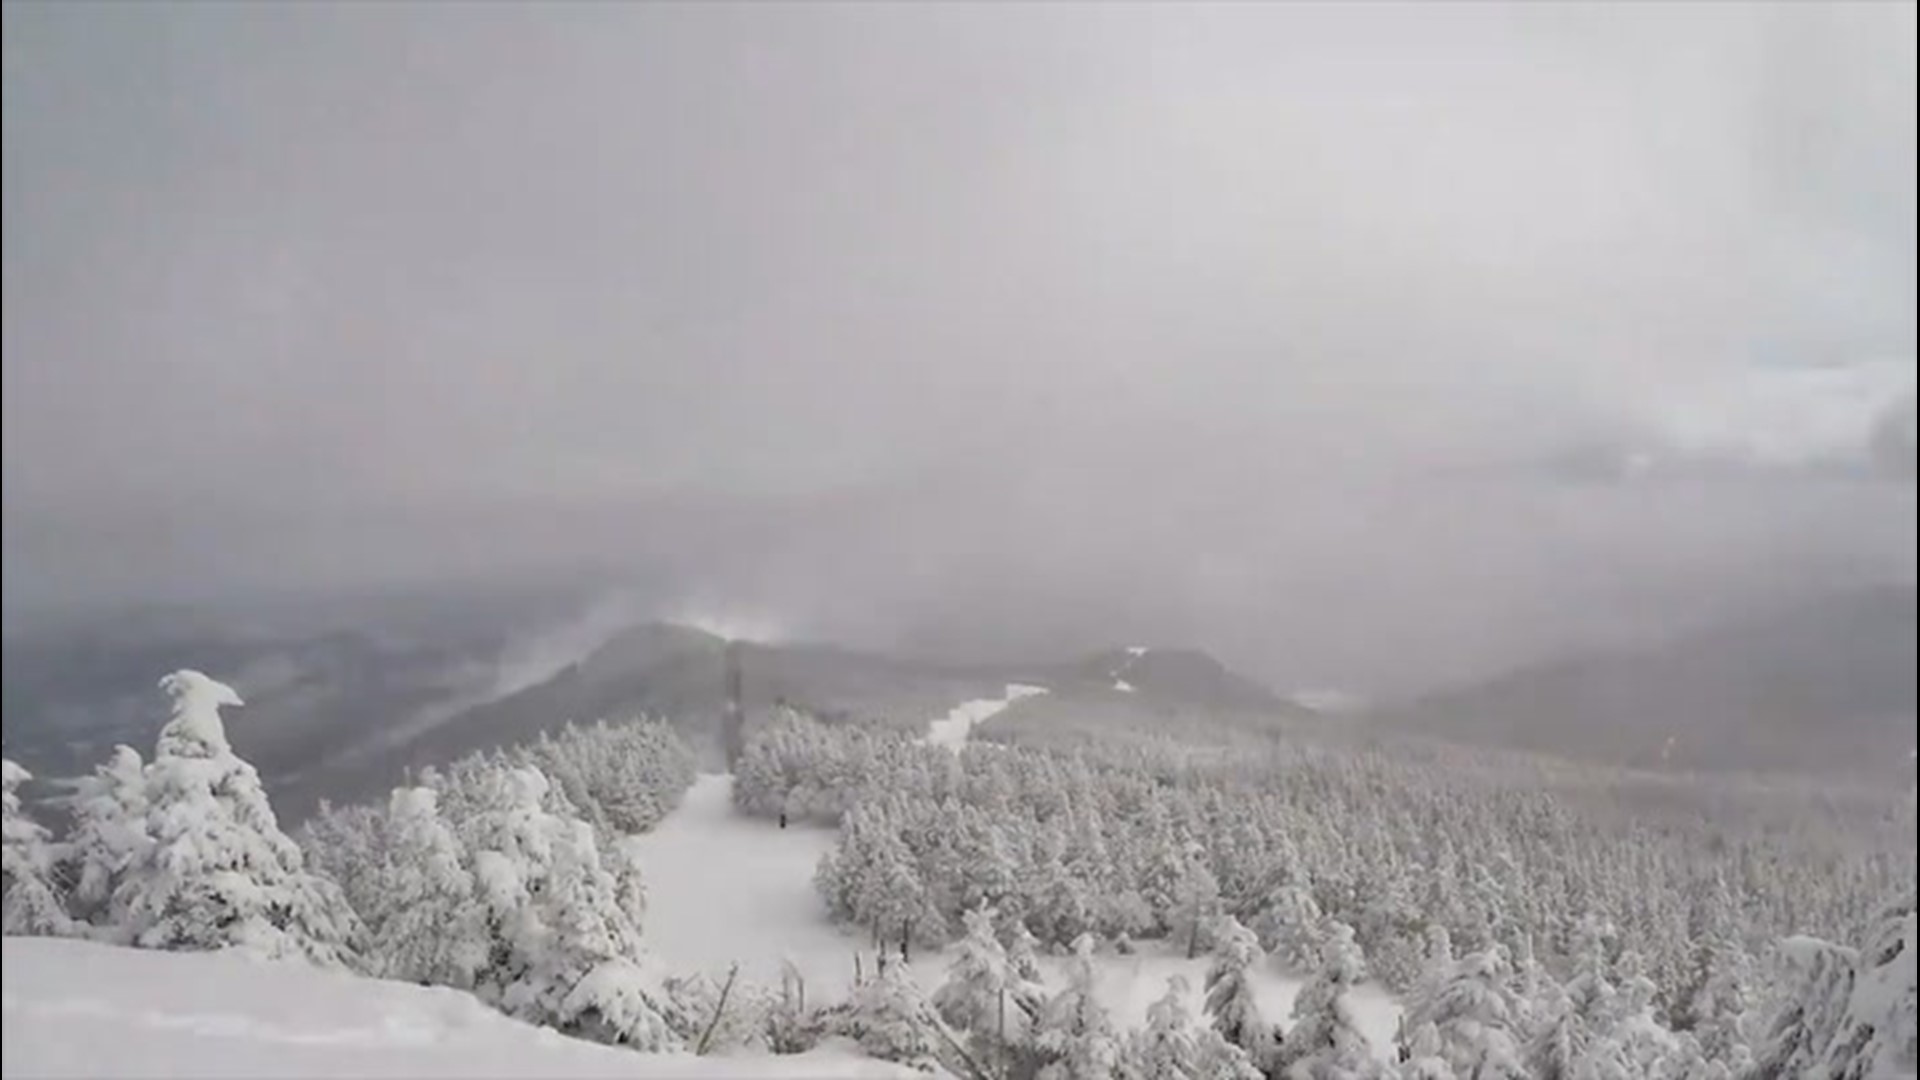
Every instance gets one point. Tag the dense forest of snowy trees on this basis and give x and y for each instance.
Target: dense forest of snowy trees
(1590, 939)
(1524, 938)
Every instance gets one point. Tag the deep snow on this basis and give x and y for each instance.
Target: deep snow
(79, 1009)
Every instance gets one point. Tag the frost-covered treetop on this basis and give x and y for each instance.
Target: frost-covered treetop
(195, 729)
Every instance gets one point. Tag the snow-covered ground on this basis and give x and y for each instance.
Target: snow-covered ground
(77, 1009)
(951, 729)
(723, 887)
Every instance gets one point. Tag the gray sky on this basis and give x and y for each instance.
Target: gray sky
(1361, 343)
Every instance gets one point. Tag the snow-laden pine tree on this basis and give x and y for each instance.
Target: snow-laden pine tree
(1289, 927)
(219, 873)
(1796, 1039)
(1575, 1038)
(1214, 1058)
(1230, 1005)
(1474, 1014)
(1721, 1003)
(109, 836)
(565, 950)
(1422, 998)
(1648, 1047)
(892, 1021)
(1875, 1037)
(978, 997)
(430, 926)
(1423, 1057)
(1325, 1042)
(1075, 1032)
(29, 900)
(1196, 903)
(1164, 1049)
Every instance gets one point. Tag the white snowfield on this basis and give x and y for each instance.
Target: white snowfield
(952, 729)
(79, 1009)
(723, 887)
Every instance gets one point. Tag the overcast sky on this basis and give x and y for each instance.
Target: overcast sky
(1363, 344)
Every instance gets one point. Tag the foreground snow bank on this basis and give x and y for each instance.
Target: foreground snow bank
(78, 1009)
(953, 728)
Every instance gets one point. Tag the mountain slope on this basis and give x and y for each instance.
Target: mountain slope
(1823, 688)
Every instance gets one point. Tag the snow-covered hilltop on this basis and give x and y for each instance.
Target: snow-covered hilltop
(79, 1009)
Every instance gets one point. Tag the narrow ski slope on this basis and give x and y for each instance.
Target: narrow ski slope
(952, 729)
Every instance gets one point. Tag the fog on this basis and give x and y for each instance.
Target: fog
(1366, 345)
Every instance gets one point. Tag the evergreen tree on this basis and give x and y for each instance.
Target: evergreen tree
(1074, 1030)
(979, 995)
(1214, 1058)
(28, 896)
(1424, 1059)
(1803, 1025)
(1230, 1004)
(219, 872)
(566, 951)
(1164, 1049)
(430, 927)
(1326, 1043)
(891, 1021)
(109, 836)
(1875, 1037)
(1289, 925)
(1474, 1015)
(1422, 998)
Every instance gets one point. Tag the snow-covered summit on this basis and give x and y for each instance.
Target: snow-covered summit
(78, 1009)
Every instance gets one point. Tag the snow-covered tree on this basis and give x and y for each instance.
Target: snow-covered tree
(1646, 1045)
(1721, 1003)
(109, 835)
(1075, 1031)
(1196, 904)
(892, 1021)
(979, 995)
(1289, 927)
(1474, 1015)
(566, 950)
(1214, 1058)
(1422, 998)
(1802, 1028)
(219, 873)
(1424, 1059)
(430, 927)
(1230, 1004)
(1325, 1042)
(1875, 1037)
(1164, 1049)
(28, 895)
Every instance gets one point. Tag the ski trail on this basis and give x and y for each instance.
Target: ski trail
(952, 729)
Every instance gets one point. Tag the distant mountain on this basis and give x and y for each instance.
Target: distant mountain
(678, 673)
(1826, 688)
(343, 711)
